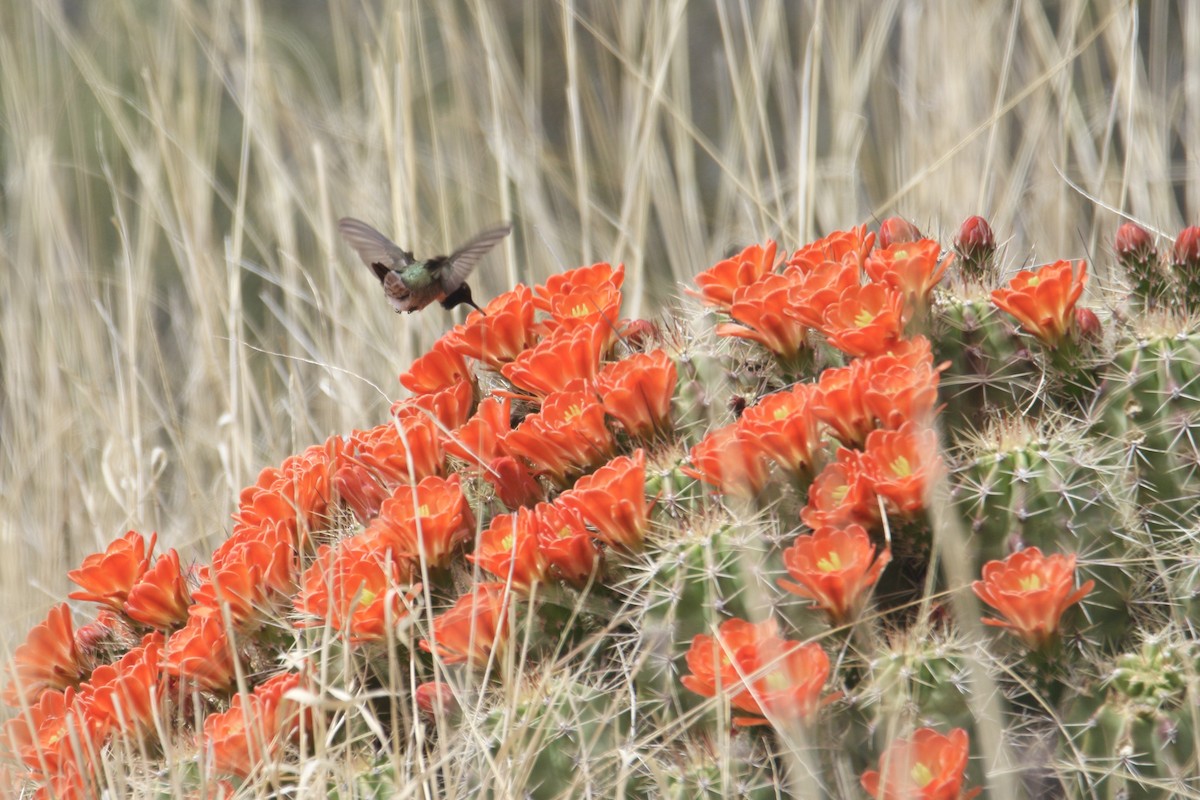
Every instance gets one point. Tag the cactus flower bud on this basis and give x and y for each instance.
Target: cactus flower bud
(1185, 263)
(1088, 324)
(1187, 247)
(976, 247)
(895, 230)
(1134, 242)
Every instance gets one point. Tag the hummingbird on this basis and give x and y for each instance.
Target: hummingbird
(411, 284)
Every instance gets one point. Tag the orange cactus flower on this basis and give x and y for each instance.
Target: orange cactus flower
(49, 659)
(903, 465)
(248, 579)
(762, 674)
(784, 428)
(428, 522)
(586, 305)
(901, 386)
(60, 740)
(842, 495)
(304, 483)
(566, 437)
(718, 284)
(477, 441)
(473, 629)
(925, 766)
(126, 695)
(850, 246)
(360, 491)
(840, 402)
(200, 653)
(513, 482)
(814, 290)
(613, 501)
(358, 586)
(637, 391)
(865, 320)
(556, 362)
(501, 333)
(1043, 301)
(910, 267)
(441, 368)
(509, 550)
(568, 547)
(255, 729)
(450, 407)
(107, 577)
(834, 567)
(727, 459)
(897, 230)
(1031, 591)
(761, 311)
(386, 450)
(161, 598)
(567, 282)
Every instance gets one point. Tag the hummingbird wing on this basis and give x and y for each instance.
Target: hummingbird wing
(457, 267)
(377, 251)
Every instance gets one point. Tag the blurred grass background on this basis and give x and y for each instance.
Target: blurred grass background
(176, 311)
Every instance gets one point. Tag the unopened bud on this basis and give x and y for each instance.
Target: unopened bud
(1088, 323)
(1187, 247)
(435, 699)
(976, 247)
(896, 230)
(1185, 262)
(1133, 242)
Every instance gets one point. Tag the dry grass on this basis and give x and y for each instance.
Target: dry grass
(176, 311)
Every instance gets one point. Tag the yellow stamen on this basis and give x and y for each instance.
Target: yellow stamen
(1030, 583)
(864, 318)
(921, 775)
(832, 562)
(901, 468)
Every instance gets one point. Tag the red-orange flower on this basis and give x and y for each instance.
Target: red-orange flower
(1043, 301)
(450, 406)
(730, 461)
(255, 728)
(60, 740)
(48, 659)
(126, 695)
(865, 320)
(566, 437)
(478, 440)
(586, 305)
(851, 246)
(556, 362)
(903, 465)
(761, 673)
(161, 598)
(814, 289)
(762, 311)
(637, 391)
(388, 449)
(910, 267)
(897, 230)
(901, 386)
(513, 482)
(107, 577)
(441, 368)
(785, 429)
(1031, 591)
(473, 629)
(358, 586)
(613, 501)
(842, 495)
(926, 766)
(840, 402)
(718, 284)
(248, 577)
(201, 653)
(565, 543)
(566, 282)
(501, 333)
(834, 567)
(359, 489)
(509, 550)
(427, 522)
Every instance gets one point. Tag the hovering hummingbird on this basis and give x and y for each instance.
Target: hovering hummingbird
(410, 284)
